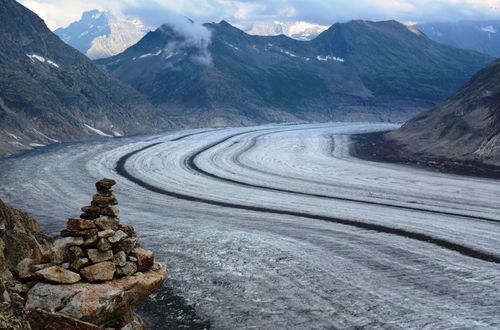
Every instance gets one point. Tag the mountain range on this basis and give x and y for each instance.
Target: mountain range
(296, 29)
(359, 70)
(464, 127)
(482, 36)
(50, 92)
(100, 34)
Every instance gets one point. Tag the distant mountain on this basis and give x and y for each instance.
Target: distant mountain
(50, 92)
(296, 30)
(464, 127)
(482, 36)
(353, 71)
(99, 34)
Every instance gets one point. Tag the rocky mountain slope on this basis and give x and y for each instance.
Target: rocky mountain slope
(100, 34)
(482, 36)
(354, 71)
(50, 92)
(464, 127)
(296, 30)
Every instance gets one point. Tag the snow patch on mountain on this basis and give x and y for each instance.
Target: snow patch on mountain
(42, 59)
(95, 130)
(489, 29)
(329, 58)
(297, 30)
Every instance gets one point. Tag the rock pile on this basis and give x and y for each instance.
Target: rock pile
(94, 247)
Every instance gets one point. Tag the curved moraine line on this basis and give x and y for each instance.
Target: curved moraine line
(190, 162)
(236, 159)
(121, 170)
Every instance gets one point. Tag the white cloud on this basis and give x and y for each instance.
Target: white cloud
(58, 13)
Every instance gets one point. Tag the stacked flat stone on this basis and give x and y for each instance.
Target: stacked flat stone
(96, 246)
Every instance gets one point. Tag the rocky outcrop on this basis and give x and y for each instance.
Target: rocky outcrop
(92, 278)
(21, 240)
(107, 304)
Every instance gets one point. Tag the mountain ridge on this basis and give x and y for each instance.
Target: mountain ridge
(380, 73)
(481, 36)
(100, 34)
(50, 92)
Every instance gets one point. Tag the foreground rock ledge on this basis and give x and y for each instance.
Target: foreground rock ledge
(101, 304)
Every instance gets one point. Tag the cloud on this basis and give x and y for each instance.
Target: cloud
(154, 12)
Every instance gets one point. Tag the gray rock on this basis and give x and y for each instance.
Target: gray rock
(120, 259)
(35, 268)
(106, 233)
(103, 271)
(24, 268)
(90, 242)
(118, 236)
(103, 245)
(79, 264)
(127, 244)
(129, 269)
(97, 256)
(58, 274)
(105, 222)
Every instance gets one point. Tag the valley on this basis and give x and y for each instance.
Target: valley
(279, 226)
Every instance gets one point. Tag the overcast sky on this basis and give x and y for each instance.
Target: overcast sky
(57, 13)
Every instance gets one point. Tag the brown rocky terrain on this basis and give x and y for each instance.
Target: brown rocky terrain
(466, 127)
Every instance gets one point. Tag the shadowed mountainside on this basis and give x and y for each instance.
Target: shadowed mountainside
(50, 92)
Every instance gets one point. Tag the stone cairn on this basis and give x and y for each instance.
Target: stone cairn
(96, 247)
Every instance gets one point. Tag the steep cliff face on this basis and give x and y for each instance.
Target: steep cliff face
(464, 127)
(50, 92)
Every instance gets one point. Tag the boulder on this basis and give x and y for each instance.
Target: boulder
(127, 244)
(129, 269)
(79, 264)
(106, 233)
(103, 201)
(85, 233)
(79, 224)
(110, 211)
(75, 252)
(35, 268)
(100, 272)
(118, 236)
(103, 245)
(105, 222)
(24, 269)
(97, 256)
(145, 259)
(120, 259)
(96, 303)
(104, 184)
(58, 274)
(91, 241)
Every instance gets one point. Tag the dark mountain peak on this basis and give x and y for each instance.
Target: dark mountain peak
(50, 92)
(225, 23)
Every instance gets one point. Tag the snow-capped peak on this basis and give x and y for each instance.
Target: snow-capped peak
(489, 29)
(298, 30)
